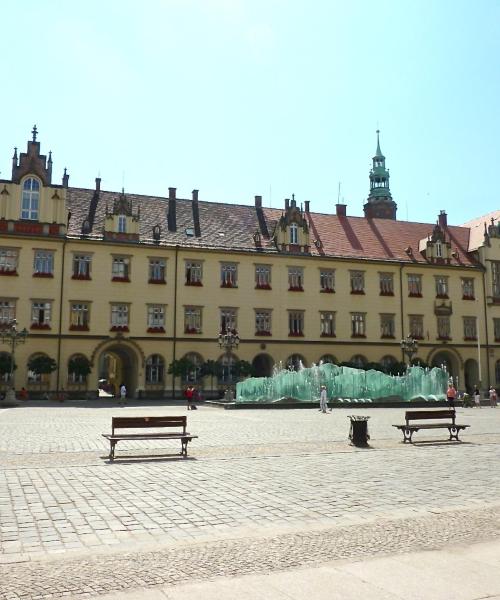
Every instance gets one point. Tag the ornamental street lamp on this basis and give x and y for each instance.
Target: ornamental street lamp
(409, 346)
(10, 335)
(229, 340)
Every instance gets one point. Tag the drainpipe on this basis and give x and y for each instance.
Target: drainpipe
(60, 317)
(486, 330)
(175, 317)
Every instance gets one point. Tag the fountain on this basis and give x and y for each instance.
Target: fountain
(304, 385)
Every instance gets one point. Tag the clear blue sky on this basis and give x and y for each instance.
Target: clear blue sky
(270, 97)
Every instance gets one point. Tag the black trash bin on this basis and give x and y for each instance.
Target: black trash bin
(358, 433)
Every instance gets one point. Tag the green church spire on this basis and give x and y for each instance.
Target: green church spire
(380, 203)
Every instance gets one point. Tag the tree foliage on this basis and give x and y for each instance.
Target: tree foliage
(42, 364)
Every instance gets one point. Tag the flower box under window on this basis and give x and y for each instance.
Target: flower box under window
(195, 283)
(387, 293)
(228, 285)
(470, 338)
(79, 327)
(444, 338)
(40, 326)
(48, 275)
(417, 337)
(358, 335)
(415, 295)
(328, 335)
(81, 276)
(442, 296)
(157, 281)
(120, 278)
(262, 333)
(296, 334)
(295, 288)
(359, 292)
(156, 330)
(263, 286)
(387, 337)
(8, 271)
(468, 297)
(327, 291)
(123, 328)
(191, 330)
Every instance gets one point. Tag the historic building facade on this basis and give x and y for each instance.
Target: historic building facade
(135, 282)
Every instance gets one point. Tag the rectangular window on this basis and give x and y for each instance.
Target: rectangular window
(415, 285)
(7, 312)
(79, 316)
(357, 282)
(81, 266)
(327, 324)
(387, 326)
(40, 314)
(296, 323)
(228, 320)
(416, 326)
(263, 277)
(443, 328)
(119, 317)
(327, 280)
(122, 224)
(386, 281)
(8, 261)
(194, 273)
(192, 319)
(262, 321)
(295, 279)
(470, 328)
(43, 264)
(156, 318)
(441, 286)
(468, 288)
(358, 325)
(495, 273)
(157, 270)
(496, 329)
(228, 275)
(121, 268)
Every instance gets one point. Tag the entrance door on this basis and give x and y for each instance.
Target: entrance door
(117, 366)
(471, 373)
(263, 365)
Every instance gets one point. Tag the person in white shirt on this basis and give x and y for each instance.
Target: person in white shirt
(323, 406)
(123, 393)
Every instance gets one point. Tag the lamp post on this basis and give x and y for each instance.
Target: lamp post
(409, 346)
(10, 335)
(229, 340)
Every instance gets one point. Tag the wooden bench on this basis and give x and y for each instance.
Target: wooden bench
(149, 423)
(409, 429)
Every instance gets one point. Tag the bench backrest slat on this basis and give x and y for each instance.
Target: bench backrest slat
(144, 422)
(417, 415)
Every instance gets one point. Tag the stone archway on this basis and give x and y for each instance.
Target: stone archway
(263, 365)
(447, 359)
(117, 363)
(471, 375)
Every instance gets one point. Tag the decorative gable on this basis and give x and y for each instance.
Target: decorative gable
(121, 222)
(436, 247)
(292, 230)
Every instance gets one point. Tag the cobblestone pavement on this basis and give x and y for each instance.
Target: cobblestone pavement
(261, 490)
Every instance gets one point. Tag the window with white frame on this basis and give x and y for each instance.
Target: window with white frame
(228, 275)
(192, 319)
(263, 277)
(122, 224)
(30, 199)
(295, 278)
(496, 329)
(357, 282)
(296, 322)
(439, 249)
(81, 266)
(358, 325)
(41, 314)
(414, 285)
(44, 262)
(416, 323)
(156, 316)
(8, 260)
(119, 315)
(228, 319)
(157, 270)
(79, 315)
(470, 328)
(121, 268)
(387, 326)
(228, 370)
(495, 273)
(386, 281)
(263, 321)
(7, 311)
(155, 369)
(294, 233)
(193, 272)
(194, 373)
(443, 327)
(327, 323)
(327, 280)
(441, 286)
(468, 288)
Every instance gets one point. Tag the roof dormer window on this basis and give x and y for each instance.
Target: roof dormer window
(294, 233)
(122, 224)
(30, 199)
(439, 249)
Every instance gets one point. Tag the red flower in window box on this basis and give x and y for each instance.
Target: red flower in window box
(38, 274)
(40, 326)
(260, 333)
(414, 295)
(263, 286)
(81, 276)
(228, 285)
(120, 279)
(296, 288)
(327, 290)
(358, 292)
(191, 330)
(157, 281)
(79, 327)
(156, 330)
(296, 334)
(119, 328)
(8, 271)
(194, 283)
(468, 298)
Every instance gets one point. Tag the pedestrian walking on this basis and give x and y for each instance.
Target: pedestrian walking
(477, 397)
(189, 396)
(451, 394)
(493, 397)
(123, 393)
(323, 401)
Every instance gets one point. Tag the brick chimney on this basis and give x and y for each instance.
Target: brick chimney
(287, 203)
(171, 217)
(97, 184)
(306, 204)
(258, 201)
(443, 219)
(341, 210)
(195, 195)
